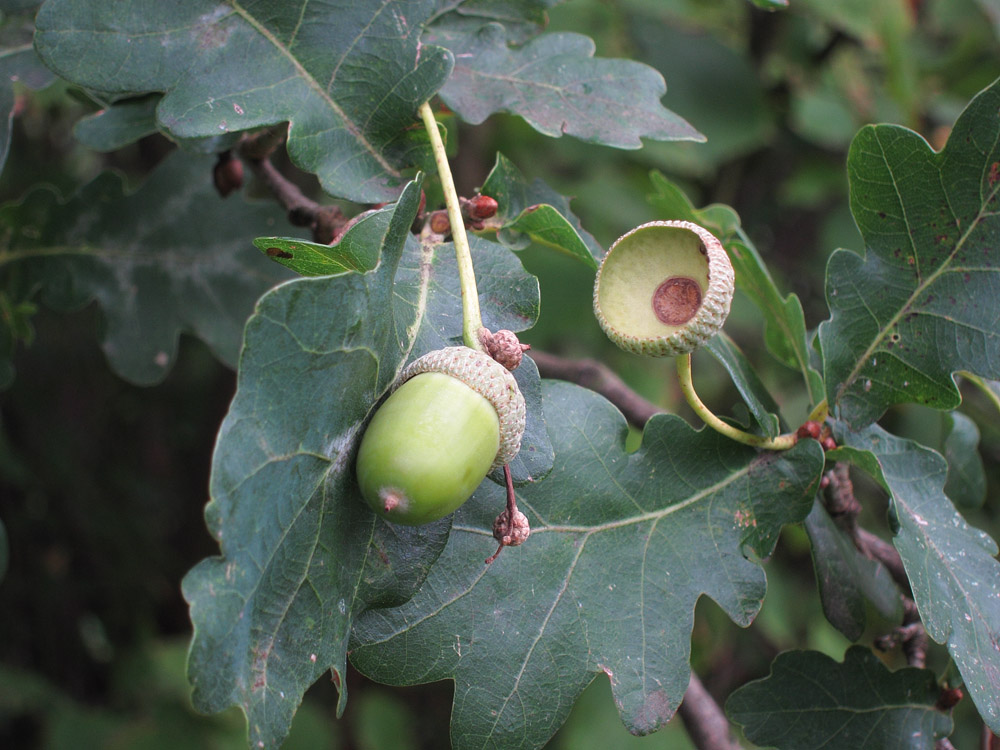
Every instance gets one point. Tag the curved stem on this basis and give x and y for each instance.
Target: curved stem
(472, 319)
(780, 443)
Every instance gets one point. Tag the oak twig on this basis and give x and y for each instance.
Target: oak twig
(326, 221)
(844, 508)
(598, 377)
(704, 720)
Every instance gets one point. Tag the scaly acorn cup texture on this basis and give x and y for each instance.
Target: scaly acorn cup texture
(454, 414)
(664, 288)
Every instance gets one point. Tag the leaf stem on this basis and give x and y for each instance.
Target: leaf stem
(472, 319)
(780, 443)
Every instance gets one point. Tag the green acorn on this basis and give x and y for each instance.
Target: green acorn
(664, 288)
(454, 415)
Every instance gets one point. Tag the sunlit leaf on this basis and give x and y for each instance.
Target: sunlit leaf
(315, 259)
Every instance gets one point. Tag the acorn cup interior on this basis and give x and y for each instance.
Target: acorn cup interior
(663, 289)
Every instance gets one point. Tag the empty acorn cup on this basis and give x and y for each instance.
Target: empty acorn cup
(664, 288)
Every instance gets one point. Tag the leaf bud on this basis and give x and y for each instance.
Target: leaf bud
(227, 175)
(479, 208)
(439, 222)
(810, 429)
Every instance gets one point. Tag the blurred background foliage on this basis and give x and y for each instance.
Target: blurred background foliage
(102, 484)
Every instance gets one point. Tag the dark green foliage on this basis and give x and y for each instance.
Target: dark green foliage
(602, 585)
(922, 303)
(630, 529)
(810, 701)
(160, 261)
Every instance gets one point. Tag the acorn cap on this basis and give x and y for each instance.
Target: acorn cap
(664, 288)
(489, 379)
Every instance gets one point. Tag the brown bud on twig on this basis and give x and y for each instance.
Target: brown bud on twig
(439, 222)
(227, 174)
(478, 208)
(511, 531)
(503, 346)
(948, 698)
(810, 429)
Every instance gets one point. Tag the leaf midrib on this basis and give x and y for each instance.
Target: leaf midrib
(654, 515)
(941, 557)
(556, 600)
(349, 124)
(920, 288)
(588, 531)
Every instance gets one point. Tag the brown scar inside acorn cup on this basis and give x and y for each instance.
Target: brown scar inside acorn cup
(676, 300)
(664, 288)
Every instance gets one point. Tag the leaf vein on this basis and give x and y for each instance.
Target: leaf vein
(349, 124)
